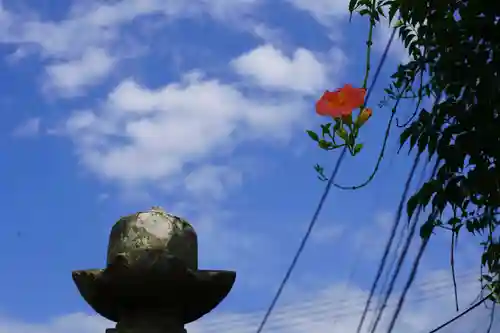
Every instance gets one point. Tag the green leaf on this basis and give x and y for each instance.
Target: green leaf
(484, 258)
(352, 5)
(487, 278)
(398, 23)
(313, 135)
(411, 205)
(325, 129)
(342, 133)
(338, 124)
(426, 229)
(432, 144)
(405, 135)
(454, 221)
(323, 144)
(427, 191)
(422, 142)
(357, 148)
(392, 12)
(380, 10)
(408, 39)
(364, 12)
(413, 140)
(321, 172)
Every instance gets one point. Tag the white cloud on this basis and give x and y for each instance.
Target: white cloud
(267, 34)
(78, 50)
(270, 68)
(71, 76)
(337, 308)
(327, 234)
(139, 135)
(76, 322)
(144, 135)
(95, 24)
(29, 128)
(229, 9)
(211, 181)
(324, 11)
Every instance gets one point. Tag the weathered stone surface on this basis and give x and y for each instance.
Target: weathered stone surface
(154, 229)
(152, 280)
(149, 323)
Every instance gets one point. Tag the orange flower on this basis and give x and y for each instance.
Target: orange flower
(364, 116)
(340, 102)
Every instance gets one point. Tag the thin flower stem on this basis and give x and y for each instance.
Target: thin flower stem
(382, 151)
(369, 44)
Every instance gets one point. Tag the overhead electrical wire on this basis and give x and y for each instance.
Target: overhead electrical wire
(322, 200)
(416, 262)
(421, 251)
(388, 244)
(396, 253)
(431, 289)
(305, 306)
(399, 265)
(402, 256)
(440, 327)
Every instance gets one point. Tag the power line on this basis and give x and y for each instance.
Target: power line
(399, 265)
(377, 72)
(403, 255)
(389, 243)
(381, 63)
(392, 266)
(461, 314)
(416, 262)
(303, 242)
(322, 200)
(337, 312)
(426, 286)
(355, 311)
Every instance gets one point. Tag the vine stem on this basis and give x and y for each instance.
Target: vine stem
(382, 151)
(452, 262)
(369, 44)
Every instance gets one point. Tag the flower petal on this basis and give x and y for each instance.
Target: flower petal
(355, 97)
(332, 97)
(325, 108)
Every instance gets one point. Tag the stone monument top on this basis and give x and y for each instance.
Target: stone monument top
(151, 282)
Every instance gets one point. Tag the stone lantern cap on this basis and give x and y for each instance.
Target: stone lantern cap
(152, 267)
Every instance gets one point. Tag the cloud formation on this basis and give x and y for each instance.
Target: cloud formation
(150, 135)
(78, 52)
(70, 77)
(269, 68)
(139, 135)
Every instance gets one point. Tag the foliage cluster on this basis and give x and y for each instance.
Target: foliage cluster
(454, 49)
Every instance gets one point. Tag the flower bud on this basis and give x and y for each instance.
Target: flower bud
(342, 133)
(364, 116)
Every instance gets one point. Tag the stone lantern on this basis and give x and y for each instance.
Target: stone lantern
(151, 283)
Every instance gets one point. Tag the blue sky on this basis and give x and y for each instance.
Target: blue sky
(200, 107)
